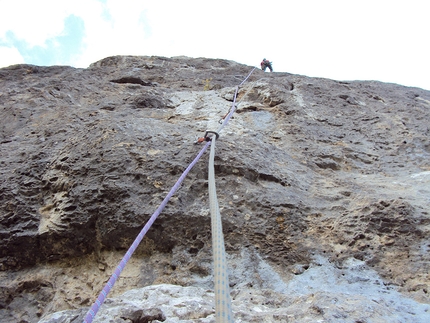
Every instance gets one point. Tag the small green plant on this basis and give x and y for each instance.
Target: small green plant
(207, 84)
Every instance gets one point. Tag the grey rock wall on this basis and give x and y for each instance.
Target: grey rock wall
(313, 175)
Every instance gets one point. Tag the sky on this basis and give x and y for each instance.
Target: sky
(383, 40)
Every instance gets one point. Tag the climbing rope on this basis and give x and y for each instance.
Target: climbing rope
(234, 105)
(96, 306)
(222, 294)
(223, 310)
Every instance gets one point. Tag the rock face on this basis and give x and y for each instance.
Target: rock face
(324, 190)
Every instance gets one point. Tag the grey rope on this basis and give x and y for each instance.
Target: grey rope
(223, 310)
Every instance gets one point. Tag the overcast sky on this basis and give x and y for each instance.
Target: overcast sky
(384, 40)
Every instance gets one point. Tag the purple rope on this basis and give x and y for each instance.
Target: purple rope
(102, 296)
(232, 109)
(233, 106)
(98, 303)
(247, 76)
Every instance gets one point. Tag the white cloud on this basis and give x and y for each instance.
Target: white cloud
(32, 21)
(10, 56)
(113, 28)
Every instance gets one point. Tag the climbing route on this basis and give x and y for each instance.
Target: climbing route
(222, 295)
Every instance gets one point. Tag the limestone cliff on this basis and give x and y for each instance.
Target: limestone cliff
(324, 190)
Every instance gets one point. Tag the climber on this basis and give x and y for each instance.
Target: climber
(265, 63)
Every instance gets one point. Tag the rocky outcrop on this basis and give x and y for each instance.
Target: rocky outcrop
(317, 180)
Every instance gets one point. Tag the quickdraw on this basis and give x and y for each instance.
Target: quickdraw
(206, 137)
